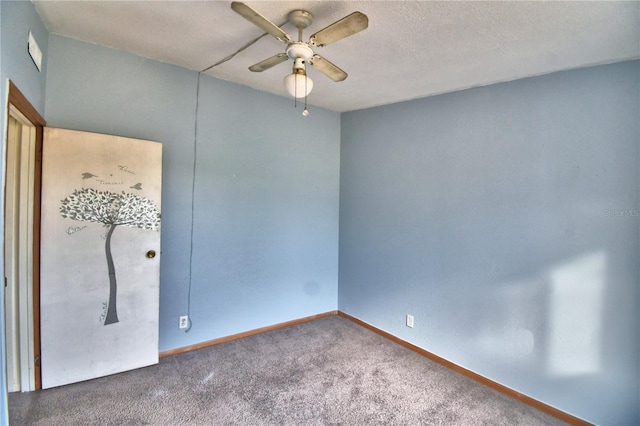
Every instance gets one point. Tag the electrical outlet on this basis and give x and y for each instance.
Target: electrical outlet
(184, 321)
(409, 320)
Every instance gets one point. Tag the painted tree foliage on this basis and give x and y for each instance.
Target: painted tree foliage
(111, 209)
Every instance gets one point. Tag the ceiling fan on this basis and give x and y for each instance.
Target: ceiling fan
(301, 53)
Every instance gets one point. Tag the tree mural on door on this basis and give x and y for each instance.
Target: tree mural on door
(112, 210)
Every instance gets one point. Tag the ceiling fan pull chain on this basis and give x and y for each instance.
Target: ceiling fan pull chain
(305, 112)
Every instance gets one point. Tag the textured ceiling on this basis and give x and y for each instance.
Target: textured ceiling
(410, 50)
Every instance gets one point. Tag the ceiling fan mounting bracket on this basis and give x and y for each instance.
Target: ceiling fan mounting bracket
(300, 18)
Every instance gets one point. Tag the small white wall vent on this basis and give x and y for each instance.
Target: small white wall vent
(35, 52)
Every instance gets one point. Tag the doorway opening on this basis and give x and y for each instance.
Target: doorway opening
(22, 242)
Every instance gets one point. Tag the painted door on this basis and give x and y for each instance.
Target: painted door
(100, 255)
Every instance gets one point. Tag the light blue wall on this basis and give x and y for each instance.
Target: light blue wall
(265, 246)
(265, 210)
(505, 219)
(16, 20)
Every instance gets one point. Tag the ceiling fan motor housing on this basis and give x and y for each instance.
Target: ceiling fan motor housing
(299, 49)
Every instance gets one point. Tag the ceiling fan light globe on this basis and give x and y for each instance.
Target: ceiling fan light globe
(298, 89)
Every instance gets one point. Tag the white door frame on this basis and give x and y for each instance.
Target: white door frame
(20, 163)
(23, 149)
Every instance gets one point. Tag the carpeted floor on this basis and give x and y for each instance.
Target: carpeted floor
(328, 371)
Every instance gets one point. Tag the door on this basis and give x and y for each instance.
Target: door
(100, 255)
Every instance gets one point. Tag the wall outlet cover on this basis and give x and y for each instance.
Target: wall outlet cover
(409, 320)
(184, 322)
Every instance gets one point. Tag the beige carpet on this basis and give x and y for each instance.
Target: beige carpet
(326, 372)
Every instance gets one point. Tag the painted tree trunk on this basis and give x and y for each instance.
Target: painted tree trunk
(112, 311)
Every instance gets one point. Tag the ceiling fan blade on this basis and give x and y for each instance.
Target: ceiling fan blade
(269, 62)
(260, 21)
(327, 68)
(345, 27)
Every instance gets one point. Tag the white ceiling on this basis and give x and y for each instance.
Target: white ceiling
(411, 49)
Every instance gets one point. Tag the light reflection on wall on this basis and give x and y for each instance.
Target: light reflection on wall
(575, 315)
(512, 335)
